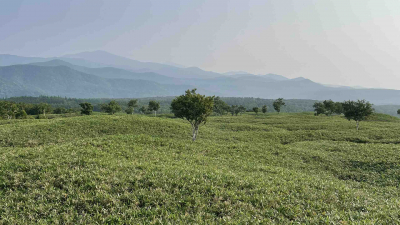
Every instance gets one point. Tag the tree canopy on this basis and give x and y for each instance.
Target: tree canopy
(264, 109)
(256, 110)
(193, 107)
(87, 108)
(154, 106)
(357, 110)
(111, 108)
(278, 103)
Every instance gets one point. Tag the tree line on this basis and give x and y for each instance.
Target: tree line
(193, 107)
(353, 110)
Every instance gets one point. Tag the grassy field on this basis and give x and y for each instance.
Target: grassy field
(124, 169)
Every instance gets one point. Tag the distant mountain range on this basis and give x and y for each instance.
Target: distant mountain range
(100, 74)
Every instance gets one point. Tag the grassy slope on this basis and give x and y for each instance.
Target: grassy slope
(136, 169)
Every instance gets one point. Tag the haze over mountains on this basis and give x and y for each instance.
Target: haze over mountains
(100, 74)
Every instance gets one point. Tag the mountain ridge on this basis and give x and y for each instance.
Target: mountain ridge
(125, 82)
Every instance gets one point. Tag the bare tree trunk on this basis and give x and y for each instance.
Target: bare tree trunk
(155, 113)
(195, 132)
(357, 124)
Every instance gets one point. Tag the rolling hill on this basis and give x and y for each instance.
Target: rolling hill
(35, 80)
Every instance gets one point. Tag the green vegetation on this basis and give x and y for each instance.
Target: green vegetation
(357, 111)
(124, 169)
(132, 104)
(153, 106)
(194, 108)
(220, 107)
(256, 110)
(236, 110)
(111, 108)
(278, 104)
(264, 109)
(328, 107)
(87, 108)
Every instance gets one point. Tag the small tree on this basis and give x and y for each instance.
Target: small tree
(357, 111)
(278, 103)
(42, 108)
(154, 106)
(240, 109)
(264, 109)
(319, 108)
(111, 108)
(87, 108)
(21, 114)
(143, 109)
(193, 107)
(234, 109)
(256, 110)
(329, 106)
(8, 109)
(59, 110)
(132, 104)
(398, 111)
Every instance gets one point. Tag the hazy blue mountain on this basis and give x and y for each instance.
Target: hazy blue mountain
(244, 74)
(111, 72)
(112, 60)
(235, 73)
(7, 60)
(32, 80)
(82, 77)
(275, 76)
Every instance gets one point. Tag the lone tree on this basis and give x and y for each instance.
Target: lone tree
(256, 110)
(193, 107)
(357, 111)
(264, 109)
(278, 104)
(87, 108)
(132, 104)
(111, 108)
(154, 106)
(398, 111)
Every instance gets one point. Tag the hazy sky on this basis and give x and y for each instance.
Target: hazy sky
(344, 42)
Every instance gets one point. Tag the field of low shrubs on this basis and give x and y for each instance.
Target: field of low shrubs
(132, 169)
